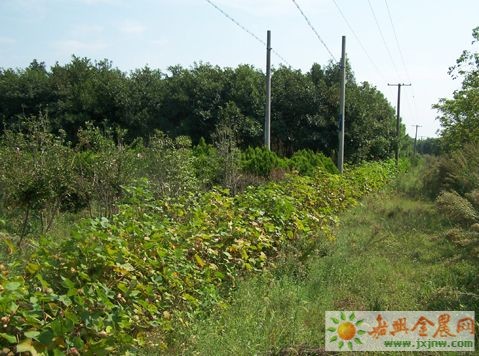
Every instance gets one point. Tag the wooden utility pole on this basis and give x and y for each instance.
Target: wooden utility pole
(267, 118)
(398, 123)
(342, 97)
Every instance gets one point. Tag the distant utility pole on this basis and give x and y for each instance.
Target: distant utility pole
(415, 138)
(342, 97)
(267, 118)
(398, 131)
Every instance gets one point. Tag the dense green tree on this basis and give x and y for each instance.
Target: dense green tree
(143, 103)
(459, 116)
(193, 101)
(370, 125)
(293, 99)
(429, 146)
(24, 92)
(86, 92)
(245, 88)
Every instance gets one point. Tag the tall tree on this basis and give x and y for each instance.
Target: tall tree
(459, 116)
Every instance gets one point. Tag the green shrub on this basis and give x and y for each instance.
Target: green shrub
(307, 161)
(102, 167)
(260, 161)
(37, 176)
(170, 165)
(206, 164)
(456, 208)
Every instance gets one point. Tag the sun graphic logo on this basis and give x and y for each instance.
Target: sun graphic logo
(346, 330)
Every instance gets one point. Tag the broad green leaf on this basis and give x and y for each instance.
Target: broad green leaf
(32, 334)
(333, 338)
(12, 286)
(65, 300)
(26, 346)
(336, 321)
(10, 338)
(352, 316)
(343, 316)
(32, 267)
(332, 329)
(44, 283)
(45, 337)
(357, 341)
(67, 283)
(13, 307)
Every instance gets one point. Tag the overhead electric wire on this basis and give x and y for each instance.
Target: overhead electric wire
(224, 13)
(397, 40)
(406, 71)
(314, 30)
(382, 37)
(359, 41)
(378, 71)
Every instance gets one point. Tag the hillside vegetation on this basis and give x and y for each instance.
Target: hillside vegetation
(157, 263)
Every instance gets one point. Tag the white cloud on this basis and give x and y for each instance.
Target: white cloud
(132, 28)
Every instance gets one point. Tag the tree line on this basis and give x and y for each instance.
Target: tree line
(194, 101)
(459, 115)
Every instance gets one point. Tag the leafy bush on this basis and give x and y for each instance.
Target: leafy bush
(102, 167)
(158, 262)
(206, 164)
(170, 165)
(261, 161)
(307, 161)
(456, 208)
(36, 175)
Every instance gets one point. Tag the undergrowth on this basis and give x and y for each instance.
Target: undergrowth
(392, 252)
(159, 264)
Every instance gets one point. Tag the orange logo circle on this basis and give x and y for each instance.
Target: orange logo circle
(346, 331)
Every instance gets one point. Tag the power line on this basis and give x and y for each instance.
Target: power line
(406, 71)
(245, 29)
(378, 70)
(236, 22)
(314, 30)
(397, 40)
(359, 41)
(382, 37)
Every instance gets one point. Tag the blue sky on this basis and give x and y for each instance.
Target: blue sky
(161, 33)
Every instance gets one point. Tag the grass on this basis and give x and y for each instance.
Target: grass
(390, 253)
